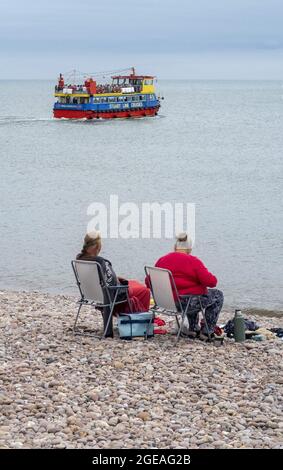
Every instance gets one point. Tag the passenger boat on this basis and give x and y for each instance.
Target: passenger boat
(127, 96)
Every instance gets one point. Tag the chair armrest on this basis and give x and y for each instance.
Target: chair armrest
(117, 287)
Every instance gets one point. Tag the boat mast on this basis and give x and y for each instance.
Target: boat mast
(74, 76)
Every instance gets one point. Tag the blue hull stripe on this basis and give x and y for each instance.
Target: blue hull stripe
(143, 103)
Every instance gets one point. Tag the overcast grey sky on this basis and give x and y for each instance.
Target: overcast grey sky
(206, 39)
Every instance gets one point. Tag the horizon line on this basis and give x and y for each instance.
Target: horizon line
(171, 79)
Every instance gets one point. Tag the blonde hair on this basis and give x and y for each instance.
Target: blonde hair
(91, 239)
(183, 241)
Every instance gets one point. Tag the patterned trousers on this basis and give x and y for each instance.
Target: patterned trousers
(212, 302)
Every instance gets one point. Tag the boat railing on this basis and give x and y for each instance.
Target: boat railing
(117, 88)
(100, 89)
(71, 89)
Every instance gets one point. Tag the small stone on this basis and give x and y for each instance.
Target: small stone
(120, 427)
(219, 444)
(93, 395)
(118, 364)
(71, 420)
(49, 360)
(210, 396)
(17, 445)
(30, 425)
(51, 428)
(273, 351)
(144, 415)
(113, 421)
(250, 345)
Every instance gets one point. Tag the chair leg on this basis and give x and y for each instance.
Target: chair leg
(180, 328)
(110, 315)
(108, 321)
(204, 319)
(129, 301)
(76, 320)
(149, 325)
(177, 320)
(182, 321)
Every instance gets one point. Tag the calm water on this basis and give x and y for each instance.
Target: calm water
(217, 144)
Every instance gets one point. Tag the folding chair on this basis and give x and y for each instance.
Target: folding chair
(167, 299)
(95, 292)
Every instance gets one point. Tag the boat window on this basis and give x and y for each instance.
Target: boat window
(148, 82)
(112, 99)
(141, 97)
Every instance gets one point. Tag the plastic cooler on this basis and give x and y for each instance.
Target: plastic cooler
(134, 325)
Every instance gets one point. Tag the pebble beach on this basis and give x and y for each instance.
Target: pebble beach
(61, 391)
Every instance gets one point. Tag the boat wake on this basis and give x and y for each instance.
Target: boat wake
(8, 120)
(5, 120)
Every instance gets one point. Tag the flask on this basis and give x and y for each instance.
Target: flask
(239, 327)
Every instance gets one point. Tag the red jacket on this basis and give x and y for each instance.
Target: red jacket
(189, 273)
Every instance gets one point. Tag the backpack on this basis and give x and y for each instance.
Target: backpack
(250, 325)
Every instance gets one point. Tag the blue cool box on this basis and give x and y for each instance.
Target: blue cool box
(135, 324)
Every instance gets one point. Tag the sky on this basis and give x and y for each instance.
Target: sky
(181, 39)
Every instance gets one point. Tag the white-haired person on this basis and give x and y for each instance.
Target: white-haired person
(193, 278)
(138, 293)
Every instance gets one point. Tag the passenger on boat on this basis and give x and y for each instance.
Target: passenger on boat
(60, 82)
(193, 278)
(99, 89)
(139, 294)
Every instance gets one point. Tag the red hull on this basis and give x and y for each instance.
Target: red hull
(73, 114)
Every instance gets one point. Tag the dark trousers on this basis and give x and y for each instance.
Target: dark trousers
(105, 315)
(212, 302)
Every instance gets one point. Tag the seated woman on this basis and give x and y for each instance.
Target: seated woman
(139, 294)
(192, 277)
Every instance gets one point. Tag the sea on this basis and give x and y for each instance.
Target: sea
(217, 145)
